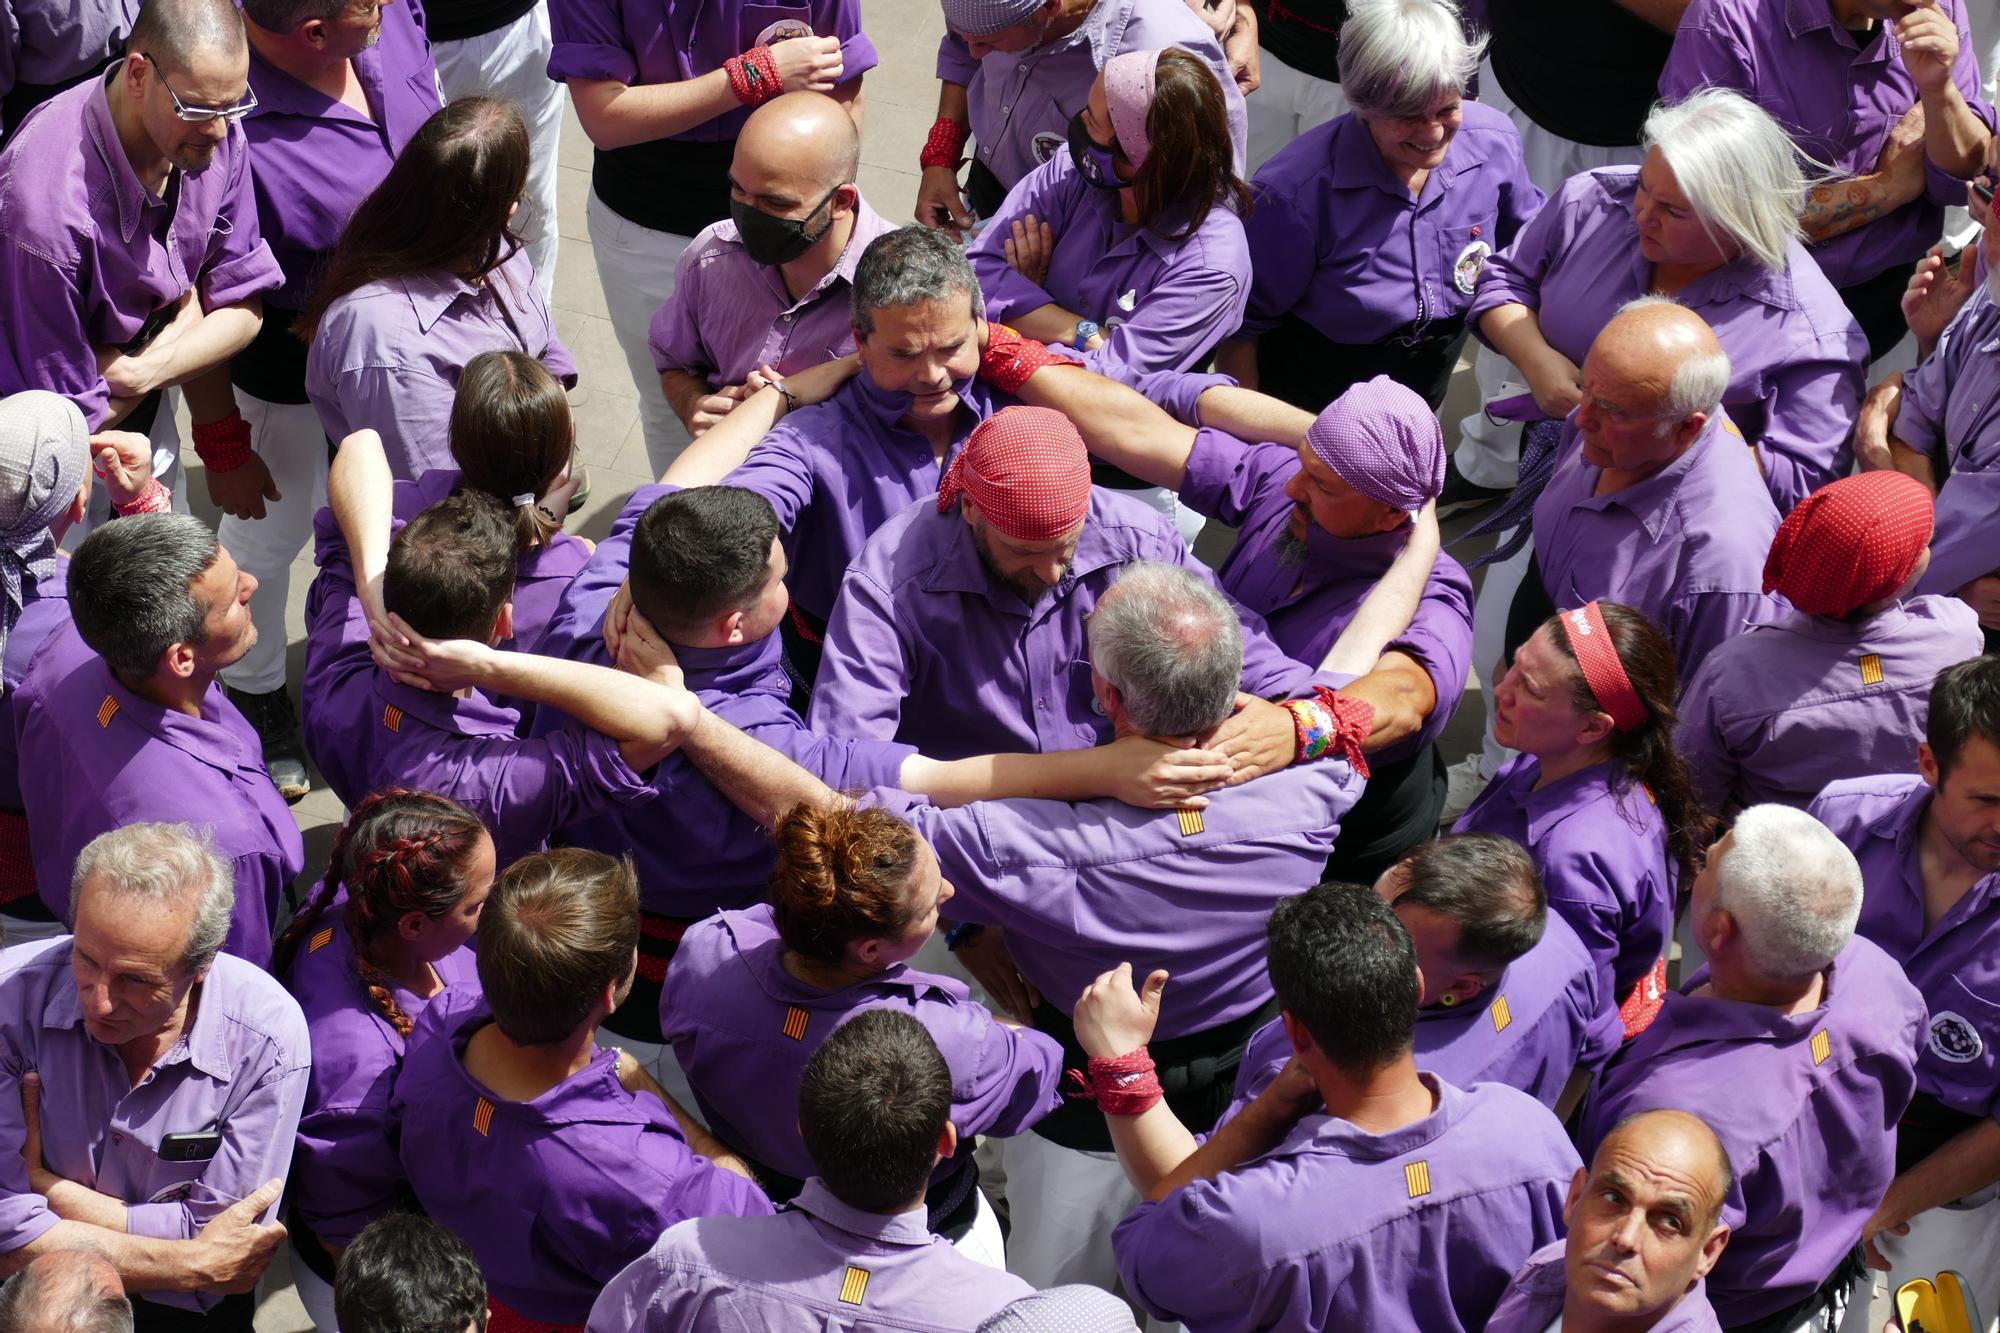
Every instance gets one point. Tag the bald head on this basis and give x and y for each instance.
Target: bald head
(174, 32)
(1661, 352)
(1676, 1143)
(805, 138)
(70, 1291)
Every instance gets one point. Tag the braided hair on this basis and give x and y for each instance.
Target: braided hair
(400, 851)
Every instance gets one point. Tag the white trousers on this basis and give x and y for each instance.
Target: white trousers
(1064, 1205)
(1489, 641)
(313, 1293)
(1287, 103)
(1962, 1236)
(513, 63)
(292, 443)
(636, 267)
(1853, 1314)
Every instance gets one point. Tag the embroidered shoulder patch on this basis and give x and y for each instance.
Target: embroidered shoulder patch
(1190, 821)
(1417, 1179)
(855, 1286)
(1822, 1047)
(392, 717)
(482, 1116)
(795, 1023)
(1871, 669)
(106, 711)
(320, 940)
(1502, 1015)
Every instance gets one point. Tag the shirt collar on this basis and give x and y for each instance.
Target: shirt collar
(1350, 1140)
(1549, 806)
(1886, 623)
(474, 715)
(1899, 823)
(206, 738)
(432, 294)
(1104, 29)
(909, 1228)
(200, 1044)
(1701, 1019)
(736, 669)
(592, 1095)
(1356, 163)
(959, 568)
(1656, 499)
(133, 198)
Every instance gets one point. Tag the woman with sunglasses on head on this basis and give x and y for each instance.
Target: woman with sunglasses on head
(1370, 231)
(1598, 795)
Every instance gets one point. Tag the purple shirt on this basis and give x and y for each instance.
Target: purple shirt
(44, 610)
(926, 647)
(1432, 1220)
(554, 1195)
(729, 314)
(1082, 888)
(670, 41)
(240, 1068)
(1340, 244)
(706, 854)
(1967, 535)
(743, 1029)
(1955, 963)
(1951, 402)
(1796, 356)
(88, 254)
(1534, 1300)
(1021, 102)
(344, 1171)
(1307, 606)
(1806, 1106)
(388, 355)
(796, 1273)
(1602, 853)
(103, 758)
(317, 158)
(1786, 707)
(1162, 303)
(50, 42)
(1838, 94)
(1686, 545)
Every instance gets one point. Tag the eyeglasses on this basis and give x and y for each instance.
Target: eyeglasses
(201, 115)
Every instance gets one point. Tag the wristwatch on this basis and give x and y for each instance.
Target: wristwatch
(1086, 329)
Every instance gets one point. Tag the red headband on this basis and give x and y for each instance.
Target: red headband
(1590, 641)
(1027, 470)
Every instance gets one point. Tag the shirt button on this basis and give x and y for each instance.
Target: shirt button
(1005, 109)
(788, 317)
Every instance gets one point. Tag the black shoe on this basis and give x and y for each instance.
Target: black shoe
(1461, 495)
(278, 728)
(581, 494)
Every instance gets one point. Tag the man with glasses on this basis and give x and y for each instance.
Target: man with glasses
(130, 256)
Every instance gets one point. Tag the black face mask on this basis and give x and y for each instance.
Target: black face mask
(1094, 162)
(773, 241)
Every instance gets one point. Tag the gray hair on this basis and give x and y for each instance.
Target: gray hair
(173, 31)
(164, 864)
(284, 17)
(131, 588)
(1172, 645)
(69, 1291)
(908, 265)
(1738, 168)
(1699, 381)
(1793, 887)
(1397, 57)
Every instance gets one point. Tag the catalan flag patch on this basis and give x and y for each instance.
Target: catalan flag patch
(1871, 669)
(1502, 1015)
(1417, 1179)
(1822, 1046)
(855, 1286)
(392, 717)
(320, 941)
(795, 1023)
(482, 1116)
(106, 711)
(1190, 821)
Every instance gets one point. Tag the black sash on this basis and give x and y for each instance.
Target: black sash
(273, 366)
(673, 185)
(1298, 363)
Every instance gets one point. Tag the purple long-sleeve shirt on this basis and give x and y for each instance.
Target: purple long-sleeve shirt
(1838, 93)
(1954, 962)
(554, 1195)
(387, 355)
(925, 646)
(1162, 303)
(818, 1265)
(50, 42)
(102, 758)
(88, 255)
(1950, 407)
(1796, 356)
(1339, 243)
(240, 1068)
(1686, 546)
(1020, 102)
(1432, 1220)
(1779, 711)
(1534, 1300)
(1805, 1105)
(44, 611)
(743, 1029)
(345, 1173)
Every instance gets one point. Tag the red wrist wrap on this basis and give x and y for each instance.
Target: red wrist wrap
(753, 76)
(223, 446)
(1010, 358)
(1124, 1086)
(946, 145)
(155, 499)
(1354, 721)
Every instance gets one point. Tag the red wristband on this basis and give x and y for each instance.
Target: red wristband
(1010, 358)
(1354, 722)
(946, 145)
(753, 76)
(155, 499)
(1126, 1085)
(223, 446)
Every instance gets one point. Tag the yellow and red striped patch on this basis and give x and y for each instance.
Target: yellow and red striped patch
(1190, 821)
(854, 1286)
(795, 1023)
(1822, 1047)
(320, 941)
(1871, 669)
(392, 717)
(1502, 1015)
(1417, 1179)
(106, 711)
(482, 1116)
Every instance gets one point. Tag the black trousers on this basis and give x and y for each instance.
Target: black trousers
(233, 1315)
(1298, 363)
(1877, 306)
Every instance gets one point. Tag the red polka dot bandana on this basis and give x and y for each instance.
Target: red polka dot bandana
(1027, 470)
(1849, 543)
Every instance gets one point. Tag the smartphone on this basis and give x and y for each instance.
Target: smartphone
(199, 1147)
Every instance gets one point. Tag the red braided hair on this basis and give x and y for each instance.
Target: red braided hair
(401, 851)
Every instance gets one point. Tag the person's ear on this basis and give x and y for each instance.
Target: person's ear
(315, 32)
(1717, 933)
(1690, 428)
(969, 511)
(1575, 1195)
(179, 660)
(410, 925)
(1595, 728)
(1711, 1248)
(947, 1143)
(1295, 1032)
(136, 72)
(732, 628)
(503, 624)
(1927, 765)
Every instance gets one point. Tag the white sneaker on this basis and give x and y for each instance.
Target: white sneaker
(1464, 781)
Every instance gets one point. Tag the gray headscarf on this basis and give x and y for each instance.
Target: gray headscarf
(1073, 1309)
(44, 450)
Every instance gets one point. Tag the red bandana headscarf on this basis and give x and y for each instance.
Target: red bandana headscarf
(1851, 542)
(1027, 470)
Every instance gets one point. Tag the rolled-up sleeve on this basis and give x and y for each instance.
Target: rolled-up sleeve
(239, 265)
(588, 42)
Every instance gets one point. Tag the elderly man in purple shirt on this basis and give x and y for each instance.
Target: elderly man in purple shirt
(767, 291)
(131, 251)
(1929, 849)
(1443, 1192)
(149, 1085)
(1798, 1043)
(874, 1108)
(1885, 92)
(1645, 1227)
(120, 717)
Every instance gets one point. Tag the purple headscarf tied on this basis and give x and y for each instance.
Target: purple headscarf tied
(1128, 91)
(1384, 441)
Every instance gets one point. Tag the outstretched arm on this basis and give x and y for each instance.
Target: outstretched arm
(1386, 612)
(1118, 425)
(721, 449)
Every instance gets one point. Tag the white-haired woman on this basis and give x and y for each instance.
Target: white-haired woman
(1369, 232)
